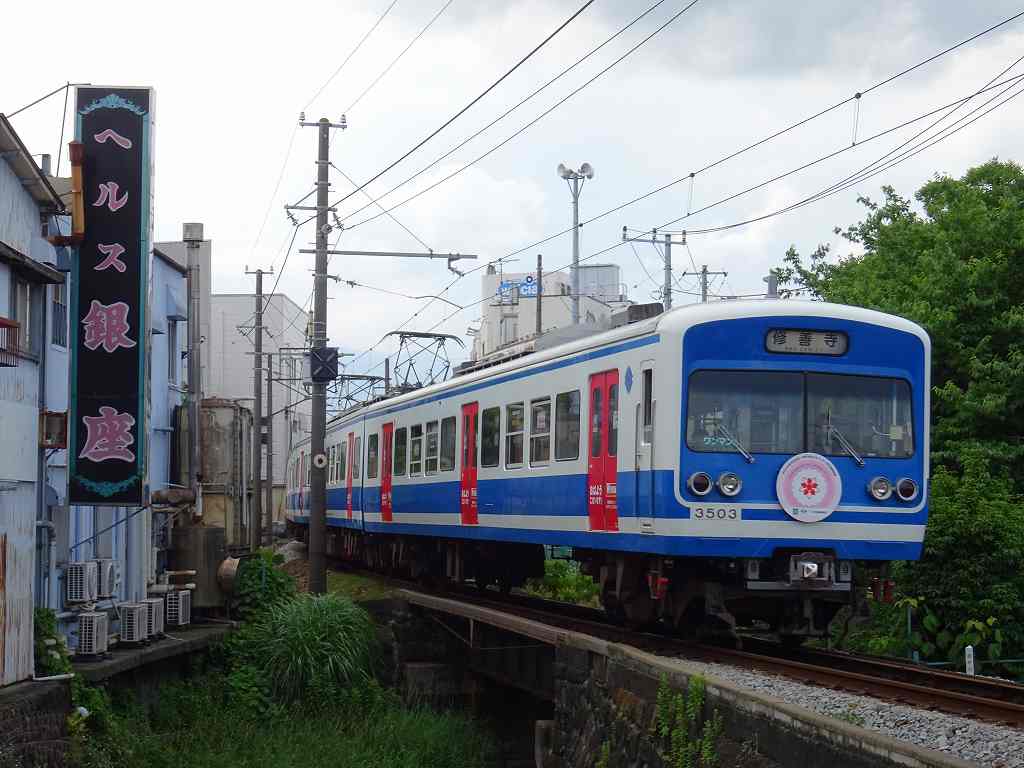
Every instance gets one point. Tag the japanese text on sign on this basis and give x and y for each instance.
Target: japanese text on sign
(800, 342)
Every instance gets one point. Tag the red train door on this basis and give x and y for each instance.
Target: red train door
(467, 495)
(348, 470)
(603, 448)
(385, 473)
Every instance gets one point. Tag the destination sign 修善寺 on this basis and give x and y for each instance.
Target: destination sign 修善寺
(806, 342)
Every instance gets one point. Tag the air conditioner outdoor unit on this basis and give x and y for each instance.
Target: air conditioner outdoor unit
(82, 582)
(92, 634)
(179, 608)
(155, 615)
(134, 622)
(108, 577)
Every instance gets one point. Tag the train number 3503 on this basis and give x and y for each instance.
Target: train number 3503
(718, 512)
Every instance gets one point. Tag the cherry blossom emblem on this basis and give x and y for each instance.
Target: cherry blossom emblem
(809, 487)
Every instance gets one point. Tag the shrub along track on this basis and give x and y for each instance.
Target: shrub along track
(981, 698)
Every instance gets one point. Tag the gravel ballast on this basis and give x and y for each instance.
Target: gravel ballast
(982, 743)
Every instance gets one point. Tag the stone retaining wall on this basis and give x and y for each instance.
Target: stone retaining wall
(33, 724)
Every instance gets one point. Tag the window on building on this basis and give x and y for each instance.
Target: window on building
(401, 441)
(60, 316)
(357, 459)
(514, 418)
(540, 431)
(567, 426)
(447, 444)
(431, 448)
(648, 406)
(21, 303)
(173, 364)
(371, 456)
(490, 439)
(416, 449)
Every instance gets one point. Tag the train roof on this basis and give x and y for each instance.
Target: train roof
(675, 322)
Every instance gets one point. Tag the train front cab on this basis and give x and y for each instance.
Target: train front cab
(803, 455)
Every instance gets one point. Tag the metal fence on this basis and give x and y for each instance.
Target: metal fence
(9, 331)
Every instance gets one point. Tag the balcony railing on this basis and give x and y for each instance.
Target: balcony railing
(9, 332)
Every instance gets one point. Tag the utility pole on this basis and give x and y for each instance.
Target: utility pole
(192, 234)
(540, 291)
(573, 178)
(703, 275)
(270, 446)
(667, 241)
(256, 532)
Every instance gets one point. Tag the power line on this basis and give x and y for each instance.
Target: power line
(390, 216)
(466, 108)
(350, 55)
(394, 61)
(533, 122)
(273, 195)
(511, 109)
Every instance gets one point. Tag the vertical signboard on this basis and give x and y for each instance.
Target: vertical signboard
(109, 297)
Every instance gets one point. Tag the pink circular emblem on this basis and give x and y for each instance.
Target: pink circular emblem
(809, 487)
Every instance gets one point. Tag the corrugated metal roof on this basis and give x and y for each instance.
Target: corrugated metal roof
(18, 157)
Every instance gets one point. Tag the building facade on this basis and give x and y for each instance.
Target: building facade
(230, 373)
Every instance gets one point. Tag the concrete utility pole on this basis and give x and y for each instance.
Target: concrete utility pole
(270, 448)
(192, 234)
(256, 532)
(540, 291)
(667, 241)
(703, 275)
(573, 178)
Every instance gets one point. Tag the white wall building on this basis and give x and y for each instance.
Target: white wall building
(511, 313)
(229, 372)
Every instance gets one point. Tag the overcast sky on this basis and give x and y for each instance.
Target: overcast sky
(232, 78)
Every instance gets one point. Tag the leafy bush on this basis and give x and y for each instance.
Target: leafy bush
(563, 581)
(310, 647)
(51, 655)
(260, 584)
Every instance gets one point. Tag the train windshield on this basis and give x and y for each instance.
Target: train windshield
(782, 412)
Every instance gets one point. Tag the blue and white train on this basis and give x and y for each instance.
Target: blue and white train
(730, 461)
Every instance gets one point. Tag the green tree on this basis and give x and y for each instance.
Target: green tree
(955, 265)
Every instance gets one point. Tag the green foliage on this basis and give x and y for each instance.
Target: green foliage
(679, 724)
(260, 584)
(957, 269)
(51, 655)
(563, 581)
(311, 647)
(605, 756)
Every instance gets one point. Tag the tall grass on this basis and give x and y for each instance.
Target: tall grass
(310, 647)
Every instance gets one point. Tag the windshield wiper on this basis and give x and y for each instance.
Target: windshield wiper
(720, 427)
(831, 431)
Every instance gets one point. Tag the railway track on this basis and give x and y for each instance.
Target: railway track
(981, 698)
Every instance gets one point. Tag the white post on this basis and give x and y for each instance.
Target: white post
(969, 659)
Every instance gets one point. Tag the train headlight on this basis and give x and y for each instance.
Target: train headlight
(700, 483)
(906, 489)
(729, 483)
(880, 488)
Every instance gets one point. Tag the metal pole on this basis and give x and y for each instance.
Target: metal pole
(318, 475)
(387, 375)
(667, 291)
(540, 291)
(704, 283)
(257, 419)
(193, 236)
(270, 447)
(575, 249)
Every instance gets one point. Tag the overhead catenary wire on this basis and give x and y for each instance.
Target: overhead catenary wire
(412, 234)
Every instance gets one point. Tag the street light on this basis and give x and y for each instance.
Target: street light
(574, 179)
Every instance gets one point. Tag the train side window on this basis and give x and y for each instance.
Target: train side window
(490, 440)
(613, 419)
(401, 436)
(540, 431)
(567, 426)
(447, 444)
(371, 456)
(514, 418)
(648, 406)
(595, 423)
(357, 459)
(416, 449)
(431, 448)
(342, 466)
(330, 465)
